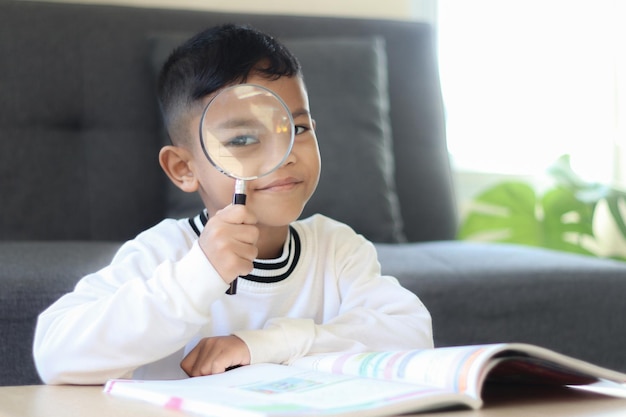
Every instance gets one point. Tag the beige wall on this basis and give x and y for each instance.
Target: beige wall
(386, 9)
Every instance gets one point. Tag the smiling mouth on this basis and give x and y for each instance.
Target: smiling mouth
(280, 185)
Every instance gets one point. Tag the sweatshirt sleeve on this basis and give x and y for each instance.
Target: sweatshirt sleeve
(373, 312)
(138, 309)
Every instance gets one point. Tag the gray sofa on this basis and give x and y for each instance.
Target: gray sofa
(80, 132)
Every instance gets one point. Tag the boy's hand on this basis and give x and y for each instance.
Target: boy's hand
(213, 355)
(229, 241)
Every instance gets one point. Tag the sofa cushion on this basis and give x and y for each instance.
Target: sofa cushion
(65, 183)
(347, 83)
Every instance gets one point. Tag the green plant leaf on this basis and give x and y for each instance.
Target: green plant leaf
(565, 220)
(506, 211)
(561, 170)
(512, 212)
(613, 201)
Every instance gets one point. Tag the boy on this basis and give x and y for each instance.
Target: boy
(160, 310)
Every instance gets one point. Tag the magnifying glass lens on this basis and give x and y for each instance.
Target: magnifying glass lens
(247, 131)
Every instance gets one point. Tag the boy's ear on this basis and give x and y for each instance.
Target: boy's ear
(176, 162)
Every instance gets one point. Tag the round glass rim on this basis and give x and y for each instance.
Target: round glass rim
(291, 136)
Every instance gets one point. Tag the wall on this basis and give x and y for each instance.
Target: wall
(389, 9)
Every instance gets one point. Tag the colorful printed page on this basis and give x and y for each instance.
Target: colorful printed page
(277, 390)
(461, 369)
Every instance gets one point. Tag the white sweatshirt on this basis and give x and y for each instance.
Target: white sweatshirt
(160, 295)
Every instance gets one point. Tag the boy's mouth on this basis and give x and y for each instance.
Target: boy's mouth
(280, 185)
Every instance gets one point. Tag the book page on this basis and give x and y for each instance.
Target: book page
(461, 369)
(605, 388)
(275, 390)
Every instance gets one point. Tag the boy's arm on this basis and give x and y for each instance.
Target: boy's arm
(375, 314)
(135, 311)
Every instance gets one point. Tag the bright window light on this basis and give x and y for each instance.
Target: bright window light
(525, 81)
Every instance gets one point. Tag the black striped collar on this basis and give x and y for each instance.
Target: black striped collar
(265, 270)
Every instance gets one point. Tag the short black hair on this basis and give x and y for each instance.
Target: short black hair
(213, 59)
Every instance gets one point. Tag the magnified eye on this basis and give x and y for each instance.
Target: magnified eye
(299, 129)
(242, 140)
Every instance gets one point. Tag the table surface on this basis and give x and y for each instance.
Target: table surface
(502, 401)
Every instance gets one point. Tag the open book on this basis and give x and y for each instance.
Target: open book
(368, 384)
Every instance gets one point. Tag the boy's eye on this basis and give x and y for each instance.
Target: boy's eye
(242, 140)
(300, 129)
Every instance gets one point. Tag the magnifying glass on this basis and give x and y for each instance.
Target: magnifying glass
(246, 132)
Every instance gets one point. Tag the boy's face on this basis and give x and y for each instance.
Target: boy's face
(278, 198)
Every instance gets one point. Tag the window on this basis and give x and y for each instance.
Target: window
(525, 81)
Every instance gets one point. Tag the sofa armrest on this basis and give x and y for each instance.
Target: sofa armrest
(33, 275)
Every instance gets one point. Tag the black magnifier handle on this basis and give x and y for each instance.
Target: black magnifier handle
(238, 198)
(232, 290)
(240, 192)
